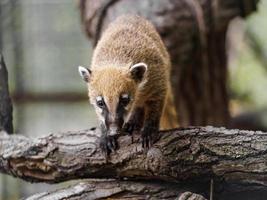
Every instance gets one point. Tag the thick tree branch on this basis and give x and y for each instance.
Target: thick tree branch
(105, 189)
(193, 154)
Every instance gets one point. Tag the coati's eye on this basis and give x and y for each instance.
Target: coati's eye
(124, 99)
(100, 102)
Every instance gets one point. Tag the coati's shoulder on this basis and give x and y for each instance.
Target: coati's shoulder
(129, 38)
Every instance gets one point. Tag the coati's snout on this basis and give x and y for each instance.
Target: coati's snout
(113, 112)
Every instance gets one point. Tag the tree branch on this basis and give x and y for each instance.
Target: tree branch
(193, 154)
(104, 189)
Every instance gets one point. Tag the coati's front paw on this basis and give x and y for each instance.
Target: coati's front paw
(130, 127)
(108, 144)
(148, 135)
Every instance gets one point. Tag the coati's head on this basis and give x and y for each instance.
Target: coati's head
(112, 91)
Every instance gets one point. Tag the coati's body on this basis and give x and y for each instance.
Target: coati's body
(133, 41)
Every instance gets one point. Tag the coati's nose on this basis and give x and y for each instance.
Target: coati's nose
(113, 129)
(114, 123)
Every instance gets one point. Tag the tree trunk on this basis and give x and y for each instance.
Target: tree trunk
(194, 33)
(5, 101)
(6, 124)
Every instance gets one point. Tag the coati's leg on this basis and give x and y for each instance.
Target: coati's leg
(135, 123)
(151, 124)
(108, 143)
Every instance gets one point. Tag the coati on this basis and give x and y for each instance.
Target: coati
(129, 81)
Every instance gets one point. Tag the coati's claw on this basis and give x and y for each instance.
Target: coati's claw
(146, 136)
(108, 144)
(146, 141)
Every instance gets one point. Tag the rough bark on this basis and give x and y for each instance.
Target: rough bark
(187, 155)
(194, 33)
(5, 101)
(106, 189)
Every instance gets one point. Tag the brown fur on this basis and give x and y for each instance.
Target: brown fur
(129, 40)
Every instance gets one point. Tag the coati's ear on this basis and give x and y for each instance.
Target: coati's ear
(85, 73)
(138, 71)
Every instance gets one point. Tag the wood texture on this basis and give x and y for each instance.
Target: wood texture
(193, 154)
(111, 189)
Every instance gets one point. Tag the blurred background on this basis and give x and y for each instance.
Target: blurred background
(43, 43)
